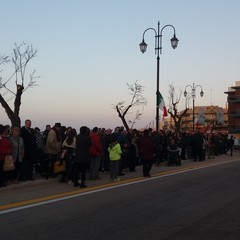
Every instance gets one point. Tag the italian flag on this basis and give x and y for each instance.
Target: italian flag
(161, 105)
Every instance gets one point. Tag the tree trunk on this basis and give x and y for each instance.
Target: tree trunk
(13, 115)
(124, 123)
(122, 116)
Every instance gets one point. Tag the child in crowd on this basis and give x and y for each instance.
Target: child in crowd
(115, 152)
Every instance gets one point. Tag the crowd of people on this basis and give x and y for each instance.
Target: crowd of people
(90, 151)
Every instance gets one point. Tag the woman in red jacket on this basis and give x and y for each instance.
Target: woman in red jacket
(146, 153)
(5, 149)
(96, 153)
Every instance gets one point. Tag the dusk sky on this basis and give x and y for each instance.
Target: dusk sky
(89, 50)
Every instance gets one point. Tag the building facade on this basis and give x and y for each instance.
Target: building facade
(207, 119)
(233, 100)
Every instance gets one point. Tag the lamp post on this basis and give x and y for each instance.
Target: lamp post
(158, 51)
(193, 95)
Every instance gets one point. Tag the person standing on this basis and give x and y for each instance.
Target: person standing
(40, 151)
(17, 152)
(146, 152)
(122, 140)
(230, 144)
(132, 153)
(82, 159)
(96, 153)
(53, 147)
(107, 141)
(197, 143)
(69, 152)
(173, 153)
(29, 139)
(115, 153)
(5, 149)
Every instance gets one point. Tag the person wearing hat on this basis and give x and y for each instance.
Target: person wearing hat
(53, 147)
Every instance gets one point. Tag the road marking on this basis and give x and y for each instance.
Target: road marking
(12, 207)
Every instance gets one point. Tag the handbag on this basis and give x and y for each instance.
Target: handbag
(59, 166)
(8, 164)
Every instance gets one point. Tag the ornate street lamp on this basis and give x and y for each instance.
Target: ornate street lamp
(193, 95)
(158, 50)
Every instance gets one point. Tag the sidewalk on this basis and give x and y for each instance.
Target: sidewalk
(42, 187)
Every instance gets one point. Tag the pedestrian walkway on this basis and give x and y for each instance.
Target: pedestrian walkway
(42, 187)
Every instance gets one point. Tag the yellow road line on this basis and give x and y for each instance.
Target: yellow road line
(106, 185)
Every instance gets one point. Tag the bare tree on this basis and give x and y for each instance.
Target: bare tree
(173, 111)
(21, 56)
(138, 114)
(137, 100)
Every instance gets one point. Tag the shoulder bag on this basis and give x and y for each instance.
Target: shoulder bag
(8, 164)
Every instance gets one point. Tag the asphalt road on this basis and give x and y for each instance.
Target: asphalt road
(199, 204)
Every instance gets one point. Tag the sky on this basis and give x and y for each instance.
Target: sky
(88, 51)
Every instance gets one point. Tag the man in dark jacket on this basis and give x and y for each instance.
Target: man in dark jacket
(198, 142)
(82, 160)
(230, 144)
(30, 146)
(146, 153)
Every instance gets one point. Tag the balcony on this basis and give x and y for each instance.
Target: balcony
(235, 99)
(235, 113)
(234, 129)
